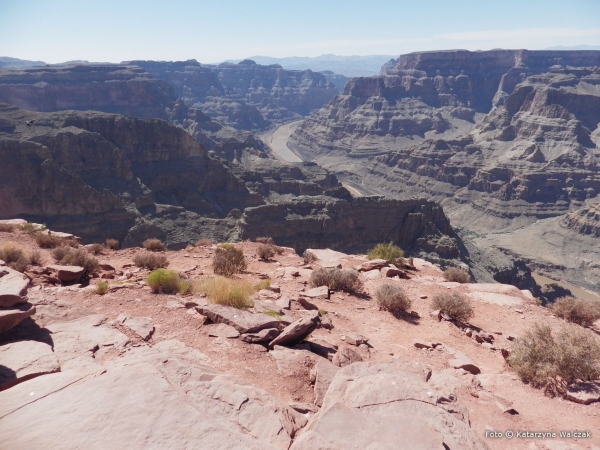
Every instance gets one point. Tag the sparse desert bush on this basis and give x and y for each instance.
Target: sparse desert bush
(204, 243)
(392, 298)
(309, 257)
(455, 305)
(112, 244)
(264, 284)
(279, 250)
(36, 258)
(14, 257)
(7, 228)
(30, 228)
(95, 249)
(163, 281)
(150, 261)
(579, 311)
(101, 288)
(457, 275)
(264, 240)
(390, 252)
(228, 260)
(540, 358)
(337, 279)
(49, 240)
(67, 256)
(154, 245)
(265, 251)
(227, 291)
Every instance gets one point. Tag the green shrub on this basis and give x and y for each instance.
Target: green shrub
(579, 311)
(112, 244)
(539, 357)
(390, 252)
(163, 281)
(309, 257)
(101, 288)
(150, 261)
(337, 279)
(455, 305)
(154, 245)
(228, 260)
(265, 251)
(227, 291)
(457, 275)
(392, 298)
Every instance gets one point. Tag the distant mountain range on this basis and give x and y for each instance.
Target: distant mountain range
(575, 47)
(15, 63)
(349, 66)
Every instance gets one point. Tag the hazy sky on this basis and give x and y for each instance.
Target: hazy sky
(211, 31)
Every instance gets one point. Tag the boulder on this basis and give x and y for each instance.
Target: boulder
(21, 361)
(160, 397)
(142, 326)
(222, 330)
(13, 287)
(372, 274)
(321, 375)
(13, 316)
(318, 292)
(392, 271)
(265, 335)
(293, 362)
(345, 356)
(242, 320)
(261, 306)
(297, 331)
(584, 392)
(304, 408)
(283, 302)
(67, 274)
(326, 322)
(322, 347)
(307, 305)
(356, 339)
(387, 405)
(373, 264)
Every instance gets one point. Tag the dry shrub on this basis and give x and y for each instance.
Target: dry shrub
(163, 281)
(579, 311)
(227, 291)
(36, 258)
(95, 249)
(154, 245)
(309, 257)
(67, 256)
(337, 279)
(7, 228)
(457, 275)
(390, 252)
(101, 288)
(540, 358)
(49, 240)
(228, 260)
(264, 240)
(453, 304)
(392, 298)
(150, 261)
(30, 228)
(265, 251)
(204, 243)
(14, 257)
(112, 244)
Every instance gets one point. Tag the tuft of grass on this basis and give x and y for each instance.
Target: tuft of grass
(337, 279)
(228, 260)
(227, 291)
(579, 311)
(265, 252)
(322, 312)
(552, 361)
(264, 284)
(49, 240)
(390, 252)
(163, 281)
(67, 256)
(455, 305)
(392, 298)
(154, 245)
(96, 249)
(457, 275)
(204, 243)
(150, 261)
(309, 257)
(271, 313)
(112, 244)
(7, 228)
(101, 288)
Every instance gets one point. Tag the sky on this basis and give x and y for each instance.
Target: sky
(212, 31)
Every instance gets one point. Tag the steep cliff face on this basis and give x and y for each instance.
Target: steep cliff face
(245, 95)
(109, 88)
